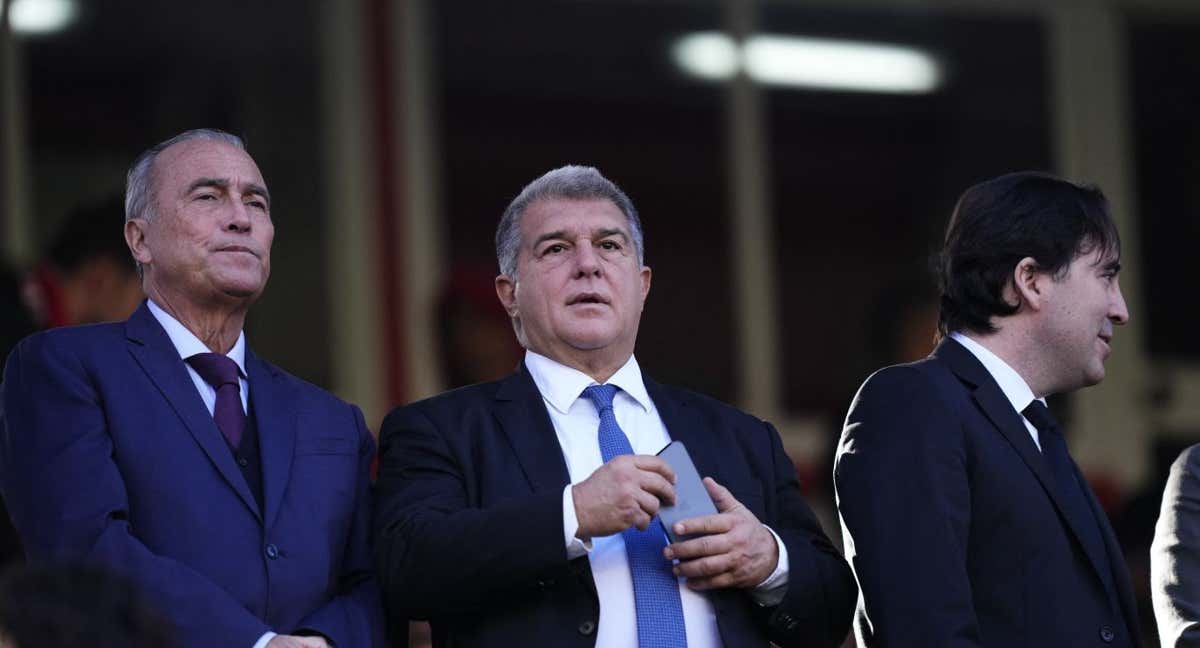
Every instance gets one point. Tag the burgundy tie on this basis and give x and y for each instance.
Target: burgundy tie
(222, 373)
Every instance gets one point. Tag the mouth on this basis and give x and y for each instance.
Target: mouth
(587, 299)
(238, 248)
(1106, 338)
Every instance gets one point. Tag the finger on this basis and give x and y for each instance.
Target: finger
(703, 568)
(709, 545)
(648, 503)
(657, 485)
(655, 464)
(722, 498)
(706, 524)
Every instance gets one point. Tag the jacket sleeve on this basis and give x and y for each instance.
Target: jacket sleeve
(355, 617)
(68, 500)
(904, 501)
(436, 553)
(1175, 555)
(819, 603)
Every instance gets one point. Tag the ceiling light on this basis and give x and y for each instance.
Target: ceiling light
(40, 16)
(814, 63)
(708, 55)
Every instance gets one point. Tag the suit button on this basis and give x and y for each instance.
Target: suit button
(242, 462)
(1107, 634)
(587, 628)
(272, 551)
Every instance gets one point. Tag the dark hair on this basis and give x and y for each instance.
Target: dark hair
(997, 223)
(62, 606)
(91, 232)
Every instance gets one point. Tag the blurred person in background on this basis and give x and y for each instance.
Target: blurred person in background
(1175, 555)
(67, 606)
(965, 519)
(86, 275)
(516, 512)
(234, 494)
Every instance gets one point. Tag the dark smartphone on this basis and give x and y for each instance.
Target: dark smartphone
(691, 497)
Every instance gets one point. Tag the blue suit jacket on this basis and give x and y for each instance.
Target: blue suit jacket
(953, 523)
(108, 455)
(471, 527)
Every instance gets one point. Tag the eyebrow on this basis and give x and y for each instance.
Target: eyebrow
(223, 183)
(560, 234)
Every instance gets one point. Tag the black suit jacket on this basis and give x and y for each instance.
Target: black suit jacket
(470, 525)
(953, 526)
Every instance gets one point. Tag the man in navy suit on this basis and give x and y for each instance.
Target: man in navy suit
(522, 511)
(966, 521)
(234, 494)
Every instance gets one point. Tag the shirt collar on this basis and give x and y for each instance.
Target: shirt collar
(187, 344)
(1011, 383)
(561, 385)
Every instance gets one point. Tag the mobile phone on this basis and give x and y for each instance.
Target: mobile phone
(691, 497)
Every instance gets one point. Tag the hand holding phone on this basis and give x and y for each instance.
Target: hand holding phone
(691, 497)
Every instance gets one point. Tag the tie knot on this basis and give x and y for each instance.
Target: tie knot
(216, 369)
(601, 396)
(1040, 416)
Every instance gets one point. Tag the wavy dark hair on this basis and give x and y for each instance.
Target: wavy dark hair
(997, 223)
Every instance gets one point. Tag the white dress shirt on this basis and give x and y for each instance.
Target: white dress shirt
(188, 345)
(1015, 389)
(576, 424)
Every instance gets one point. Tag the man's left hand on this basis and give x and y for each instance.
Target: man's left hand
(734, 550)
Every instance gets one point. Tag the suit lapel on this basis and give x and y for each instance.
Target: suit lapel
(275, 413)
(685, 424)
(1116, 561)
(523, 418)
(154, 352)
(1000, 411)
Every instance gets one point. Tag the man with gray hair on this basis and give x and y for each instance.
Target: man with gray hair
(234, 494)
(525, 510)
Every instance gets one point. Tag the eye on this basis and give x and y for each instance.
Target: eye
(610, 245)
(257, 204)
(205, 196)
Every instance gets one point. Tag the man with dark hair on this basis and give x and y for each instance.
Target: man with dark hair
(86, 275)
(966, 521)
(234, 494)
(523, 511)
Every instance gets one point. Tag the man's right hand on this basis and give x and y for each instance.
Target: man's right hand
(625, 492)
(291, 641)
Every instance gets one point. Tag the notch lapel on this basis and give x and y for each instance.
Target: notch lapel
(1000, 411)
(685, 424)
(276, 413)
(157, 356)
(526, 424)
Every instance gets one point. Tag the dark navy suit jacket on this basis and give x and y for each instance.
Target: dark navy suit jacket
(953, 524)
(470, 524)
(108, 455)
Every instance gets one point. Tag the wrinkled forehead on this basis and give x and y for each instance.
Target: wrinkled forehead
(571, 218)
(180, 165)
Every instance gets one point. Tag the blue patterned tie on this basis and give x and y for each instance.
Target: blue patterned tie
(655, 588)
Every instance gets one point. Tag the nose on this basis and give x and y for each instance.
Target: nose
(587, 262)
(1118, 312)
(239, 217)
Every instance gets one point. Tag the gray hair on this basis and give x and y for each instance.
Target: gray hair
(139, 183)
(570, 182)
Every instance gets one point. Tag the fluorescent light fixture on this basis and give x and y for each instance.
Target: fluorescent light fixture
(40, 16)
(708, 55)
(815, 63)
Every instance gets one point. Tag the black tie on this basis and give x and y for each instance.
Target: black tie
(1070, 491)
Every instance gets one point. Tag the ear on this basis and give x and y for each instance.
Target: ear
(506, 290)
(645, 277)
(135, 238)
(1029, 285)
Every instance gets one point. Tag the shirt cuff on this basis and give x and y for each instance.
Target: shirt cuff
(264, 640)
(575, 546)
(771, 591)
